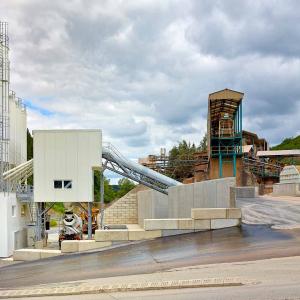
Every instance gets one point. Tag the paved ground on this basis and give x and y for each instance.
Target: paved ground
(280, 212)
(250, 242)
(227, 245)
(266, 279)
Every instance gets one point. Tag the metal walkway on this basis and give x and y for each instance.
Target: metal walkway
(114, 161)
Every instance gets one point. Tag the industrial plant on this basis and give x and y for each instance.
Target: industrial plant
(236, 163)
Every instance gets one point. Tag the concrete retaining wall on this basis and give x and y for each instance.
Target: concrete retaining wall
(286, 189)
(181, 199)
(205, 194)
(151, 205)
(246, 192)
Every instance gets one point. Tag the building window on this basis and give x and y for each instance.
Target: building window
(67, 184)
(13, 210)
(57, 184)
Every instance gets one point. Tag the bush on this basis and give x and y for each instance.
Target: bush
(53, 223)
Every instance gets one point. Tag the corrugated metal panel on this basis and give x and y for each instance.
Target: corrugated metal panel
(226, 94)
(270, 153)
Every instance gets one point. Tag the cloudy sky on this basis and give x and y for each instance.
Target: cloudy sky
(142, 69)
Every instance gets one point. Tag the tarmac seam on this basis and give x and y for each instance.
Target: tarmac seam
(126, 287)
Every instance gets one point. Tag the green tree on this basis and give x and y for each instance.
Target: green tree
(203, 143)
(126, 186)
(109, 193)
(184, 151)
(29, 145)
(29, 153)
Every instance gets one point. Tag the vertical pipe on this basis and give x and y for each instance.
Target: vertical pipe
(38, 222)
(101, 198)
(90, 204)
(234, 165)
(238, 119)
(241, 117)
(220, 166)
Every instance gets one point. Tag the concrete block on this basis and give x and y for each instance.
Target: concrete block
(157, 224)
(245, 192)
(234, 213)
(27, 254)
(167, 232)
(85, 245)
(202, 224)
(111, 235)
(224, 223)
(39, 244)
(69, 246)
(187, 223)
(136, 235)
(45, 253)
(208, 213)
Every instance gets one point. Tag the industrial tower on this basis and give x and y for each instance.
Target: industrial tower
(224, 128)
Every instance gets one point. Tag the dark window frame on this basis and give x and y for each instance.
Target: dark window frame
(58, 184)
(67, 184)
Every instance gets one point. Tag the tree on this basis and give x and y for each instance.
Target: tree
(109, 193)
(203, 143)
(184, 151)
(126, 186)
(29, 145)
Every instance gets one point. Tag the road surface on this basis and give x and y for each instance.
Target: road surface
(250, 242)
(279, 212)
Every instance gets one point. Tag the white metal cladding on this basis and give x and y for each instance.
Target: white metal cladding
(65, 155)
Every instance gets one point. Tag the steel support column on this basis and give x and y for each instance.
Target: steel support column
(102, 198)
(234, 165)
(90, 205)
(220, 166)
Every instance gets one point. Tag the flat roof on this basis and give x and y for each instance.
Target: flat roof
(272, 153)
(66, 130)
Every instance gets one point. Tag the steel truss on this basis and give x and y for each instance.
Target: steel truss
(117, 167)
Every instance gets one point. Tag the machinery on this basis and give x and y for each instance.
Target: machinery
(84, 217)
(72, 227)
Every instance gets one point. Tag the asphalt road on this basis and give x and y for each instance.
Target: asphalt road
(249, 242)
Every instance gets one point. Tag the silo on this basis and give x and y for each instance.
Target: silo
(4, 101)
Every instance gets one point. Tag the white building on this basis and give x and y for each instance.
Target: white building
(64, 161)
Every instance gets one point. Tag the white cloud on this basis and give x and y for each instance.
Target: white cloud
(142, 70)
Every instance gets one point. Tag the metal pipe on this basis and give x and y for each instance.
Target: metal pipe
(102, 198)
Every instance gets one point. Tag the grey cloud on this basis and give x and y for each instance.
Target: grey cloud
(142, 70)
(233, 28)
